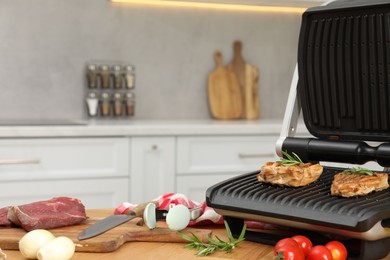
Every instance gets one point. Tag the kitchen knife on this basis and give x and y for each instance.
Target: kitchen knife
(113, 221)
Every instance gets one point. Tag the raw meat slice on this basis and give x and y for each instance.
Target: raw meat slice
(3, 217)
(56, 212)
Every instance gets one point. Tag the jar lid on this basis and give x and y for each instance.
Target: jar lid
(105, 95)
(129, 68)
(92, 67)
(117, 95)
(104, 67)
(129, 95)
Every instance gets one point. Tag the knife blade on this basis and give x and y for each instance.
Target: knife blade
(113, 221)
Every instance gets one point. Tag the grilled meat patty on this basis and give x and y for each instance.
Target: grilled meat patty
(351, 185)
(293, 175)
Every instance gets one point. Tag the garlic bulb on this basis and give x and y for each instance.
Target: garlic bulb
(178, 217)
(30, 243)
(60, 248)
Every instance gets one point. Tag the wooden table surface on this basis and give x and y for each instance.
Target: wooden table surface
(152, 250)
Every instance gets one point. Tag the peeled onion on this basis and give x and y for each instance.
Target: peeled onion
(31, 242)
(60, 248)
(178, 217)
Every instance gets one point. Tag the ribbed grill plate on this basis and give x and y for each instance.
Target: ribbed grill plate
(311, 204)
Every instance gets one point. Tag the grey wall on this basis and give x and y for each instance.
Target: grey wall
(45, 44)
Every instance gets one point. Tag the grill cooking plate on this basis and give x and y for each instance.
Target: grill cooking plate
(310, 207)
(361, 223)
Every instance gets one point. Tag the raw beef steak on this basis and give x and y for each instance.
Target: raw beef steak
(3, 217)
(57, 212)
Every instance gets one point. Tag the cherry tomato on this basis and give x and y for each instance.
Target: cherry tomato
(337, 249)
(289, 252)
(320, 253)
(304, 243)
(286, 241)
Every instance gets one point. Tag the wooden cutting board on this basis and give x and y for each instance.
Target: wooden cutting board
(224, 92)
(106, 242)
(248, 79)
(251, 92)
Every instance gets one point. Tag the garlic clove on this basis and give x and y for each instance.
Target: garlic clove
(61, 248)
(150, 215)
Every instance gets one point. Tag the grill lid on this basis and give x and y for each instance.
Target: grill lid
(344, 70)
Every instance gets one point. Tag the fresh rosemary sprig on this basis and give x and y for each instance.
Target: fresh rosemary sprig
(214, 244)
(288, 160)
(358, 170)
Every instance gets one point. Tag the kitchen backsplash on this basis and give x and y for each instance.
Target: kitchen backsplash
(46, 44)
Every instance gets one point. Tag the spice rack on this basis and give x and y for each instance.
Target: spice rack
(110, 89)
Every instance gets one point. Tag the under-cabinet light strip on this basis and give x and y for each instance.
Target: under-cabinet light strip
(233, 7)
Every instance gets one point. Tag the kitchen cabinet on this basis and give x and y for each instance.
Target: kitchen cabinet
(95, 170)
(191, 164)
(207, 160)
(106, 163)
(152, 167)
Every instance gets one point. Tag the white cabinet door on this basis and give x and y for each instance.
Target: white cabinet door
(152, 167)
(63, 158)
(94, 170)
(203, 161)
(94, 193)
(223, 154)
(195, 187)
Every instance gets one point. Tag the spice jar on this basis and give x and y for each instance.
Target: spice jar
(105, 75)
(92, 103)
(118, 104)
(105, 106)
(130, 102)
(117, 77)
(92, 76)
(129, 75)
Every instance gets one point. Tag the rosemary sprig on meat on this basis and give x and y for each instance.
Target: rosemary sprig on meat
(288, 160)
(213, 244)
(359, 171)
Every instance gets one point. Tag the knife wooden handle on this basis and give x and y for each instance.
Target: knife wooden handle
(139, 210)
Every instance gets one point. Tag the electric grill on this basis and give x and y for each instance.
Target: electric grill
(342, 87)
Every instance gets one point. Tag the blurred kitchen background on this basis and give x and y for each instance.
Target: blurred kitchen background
(45, 45)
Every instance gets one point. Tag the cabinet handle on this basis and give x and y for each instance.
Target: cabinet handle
(253, 155)
(20, 161)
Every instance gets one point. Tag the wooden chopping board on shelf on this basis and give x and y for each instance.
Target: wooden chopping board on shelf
(248, 80)
(108, 241)
(224, 93)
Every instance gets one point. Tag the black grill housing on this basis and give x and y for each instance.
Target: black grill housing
(344, 92)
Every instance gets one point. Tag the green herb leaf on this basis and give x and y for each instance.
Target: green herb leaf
(359, 171)
(214, 244)
(289, 160)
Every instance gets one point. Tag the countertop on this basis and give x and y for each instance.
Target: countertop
(104, 128)
(162, 250)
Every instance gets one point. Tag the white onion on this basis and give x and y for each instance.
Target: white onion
(60, 248)
(31, 242)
